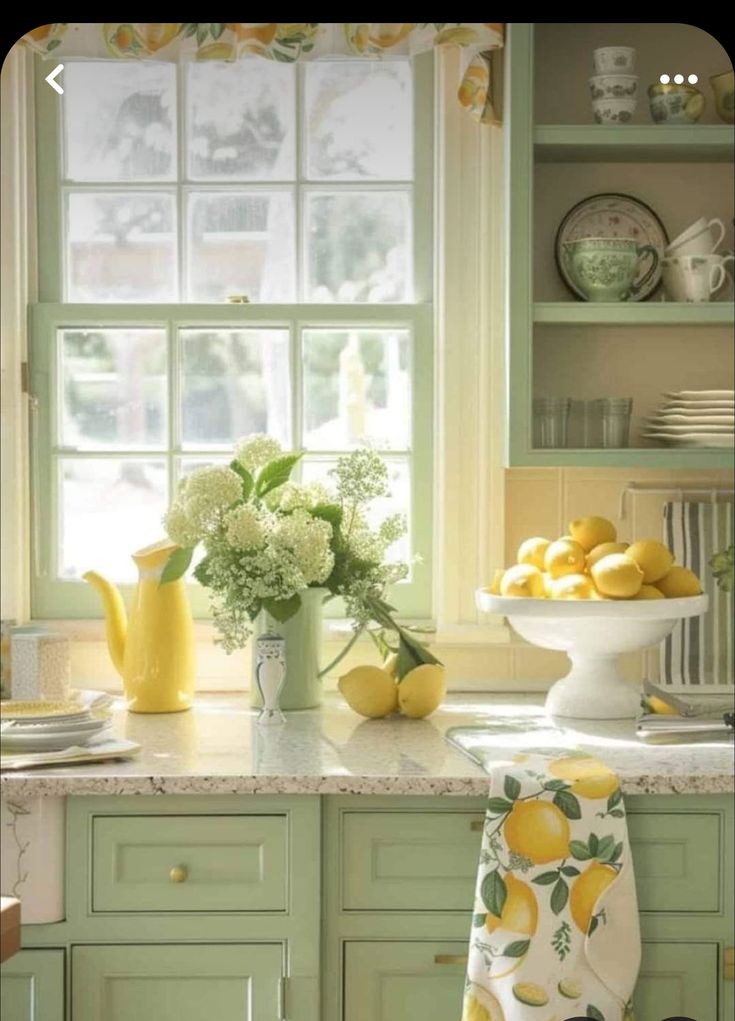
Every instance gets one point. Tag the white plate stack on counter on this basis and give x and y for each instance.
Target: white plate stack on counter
(44, 726)
(694, 418)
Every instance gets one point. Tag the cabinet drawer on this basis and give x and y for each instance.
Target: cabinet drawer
(677, 860)
(409, 861)
(677, 980)
(427, 861)
(190, 863)
(177, 983)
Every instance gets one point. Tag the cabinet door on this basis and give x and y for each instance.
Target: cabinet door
(32, 986)
(182, 982)
(404, 981)
(677, 980)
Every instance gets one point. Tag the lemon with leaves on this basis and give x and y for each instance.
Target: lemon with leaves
(538, 831)
(589, 778)
(520, 909)
(586, 891)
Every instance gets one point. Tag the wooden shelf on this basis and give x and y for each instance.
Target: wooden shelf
(635, 313)
(633, 457)
(639, 143)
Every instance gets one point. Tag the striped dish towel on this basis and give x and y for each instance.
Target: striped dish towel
(699, 651)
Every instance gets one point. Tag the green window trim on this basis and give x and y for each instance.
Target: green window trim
(54, 597)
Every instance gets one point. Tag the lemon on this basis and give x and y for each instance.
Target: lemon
(473, 1010)
(531, 994)
(494, 587)
(592, 531)
(586, 891)
(653, 558)
(617, 576)
(522, 580)
(649, 592)
(572, 586)
(565, 556)
(657, 705)
(422, 689)
(532, 551)
(370, 691)
(548, 582)
(537, 830)
(571, 988)
(598, 552)
(679, 581)
(589, 777)
(520, 910)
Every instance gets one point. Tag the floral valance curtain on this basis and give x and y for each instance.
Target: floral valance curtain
(284, 42)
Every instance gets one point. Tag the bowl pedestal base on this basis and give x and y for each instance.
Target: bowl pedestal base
(594, 690)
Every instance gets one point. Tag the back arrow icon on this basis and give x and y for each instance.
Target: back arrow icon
(51, 79)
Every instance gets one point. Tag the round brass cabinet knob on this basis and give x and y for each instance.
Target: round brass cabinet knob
(178, 874)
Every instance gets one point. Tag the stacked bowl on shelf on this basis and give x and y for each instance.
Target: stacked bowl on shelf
(694, 418)
(614, 87)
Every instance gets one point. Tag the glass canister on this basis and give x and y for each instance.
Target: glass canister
(550, 419)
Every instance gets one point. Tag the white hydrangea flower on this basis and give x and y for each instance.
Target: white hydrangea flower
(292, 495)
(214, 486)
(256, 450)
(307, 538)
(361, 476)
(179, 528)
(245, 530)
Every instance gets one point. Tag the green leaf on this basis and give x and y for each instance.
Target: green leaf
(555, 785)
(517, 948)
(275, 473)
(559, 897)
(569, 870)
(594, 1013)
(177, 564)
(217, 29)
(248, 482)
(282, 609)
(579, 850)
(617, 851)
(568, 804)
(493, 893)
(617, 813)
(594, 922)
(546, 878)
(477, 921)
(330, 512)
(512, 787)
(614, 799)
(605, 848)
(593, 843)
(499, 806)
(202, 574)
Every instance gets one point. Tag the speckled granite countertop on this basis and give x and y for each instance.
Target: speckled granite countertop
(217, 748)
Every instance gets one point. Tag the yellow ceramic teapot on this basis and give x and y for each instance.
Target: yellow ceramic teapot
(154, 653)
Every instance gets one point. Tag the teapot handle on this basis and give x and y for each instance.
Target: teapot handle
(642, 251)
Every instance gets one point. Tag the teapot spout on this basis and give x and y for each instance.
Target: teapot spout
(116, 619)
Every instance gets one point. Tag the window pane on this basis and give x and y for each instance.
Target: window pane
(109, 509)
(119, 120)
(359, 120)
(358, 246)
(234, 382)
(316, 469)
(121, 246)
(357, 389)
(113, 388)
(240, 121)
(241, 243)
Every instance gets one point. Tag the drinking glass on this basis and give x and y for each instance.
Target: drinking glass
(612, 420)
(550, 418)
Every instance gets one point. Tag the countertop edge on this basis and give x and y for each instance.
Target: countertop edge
(26, 786)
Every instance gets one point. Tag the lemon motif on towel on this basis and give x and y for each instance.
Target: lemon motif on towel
(538, 831)
(589, 777)
(473, 1010)
(520, 910)
(586, 891)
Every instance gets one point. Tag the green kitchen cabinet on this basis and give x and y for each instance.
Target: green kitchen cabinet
(32, 986)
(177, 982)
(677, 980)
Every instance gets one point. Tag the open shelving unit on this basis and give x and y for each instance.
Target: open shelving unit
(558, 346)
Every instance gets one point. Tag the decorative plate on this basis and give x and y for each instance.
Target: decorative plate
(610, 215)
(22, 710)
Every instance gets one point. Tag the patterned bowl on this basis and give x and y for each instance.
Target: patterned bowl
(724, 90)
(613, 86)
(614, 111)
(613, 59)
(675, 104)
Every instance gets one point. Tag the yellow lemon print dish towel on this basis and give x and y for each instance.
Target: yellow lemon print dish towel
(555, 930)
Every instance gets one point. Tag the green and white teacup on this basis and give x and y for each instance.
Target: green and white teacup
(605, 269)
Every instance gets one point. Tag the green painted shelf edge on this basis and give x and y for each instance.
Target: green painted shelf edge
(651, 143)
(636, 313)
(630, 457)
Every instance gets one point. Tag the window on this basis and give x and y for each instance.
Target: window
(166, 191)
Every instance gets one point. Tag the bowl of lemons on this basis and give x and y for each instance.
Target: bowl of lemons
(595, 598)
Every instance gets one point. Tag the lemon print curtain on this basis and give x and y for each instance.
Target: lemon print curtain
(479, 44)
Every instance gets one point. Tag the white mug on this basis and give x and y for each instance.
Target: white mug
(697, 239)
(694, 278)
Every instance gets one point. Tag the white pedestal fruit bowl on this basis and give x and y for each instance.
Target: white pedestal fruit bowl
(593, 633)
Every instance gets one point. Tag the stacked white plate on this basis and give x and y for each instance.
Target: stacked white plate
(29, 727)
(694, 418)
